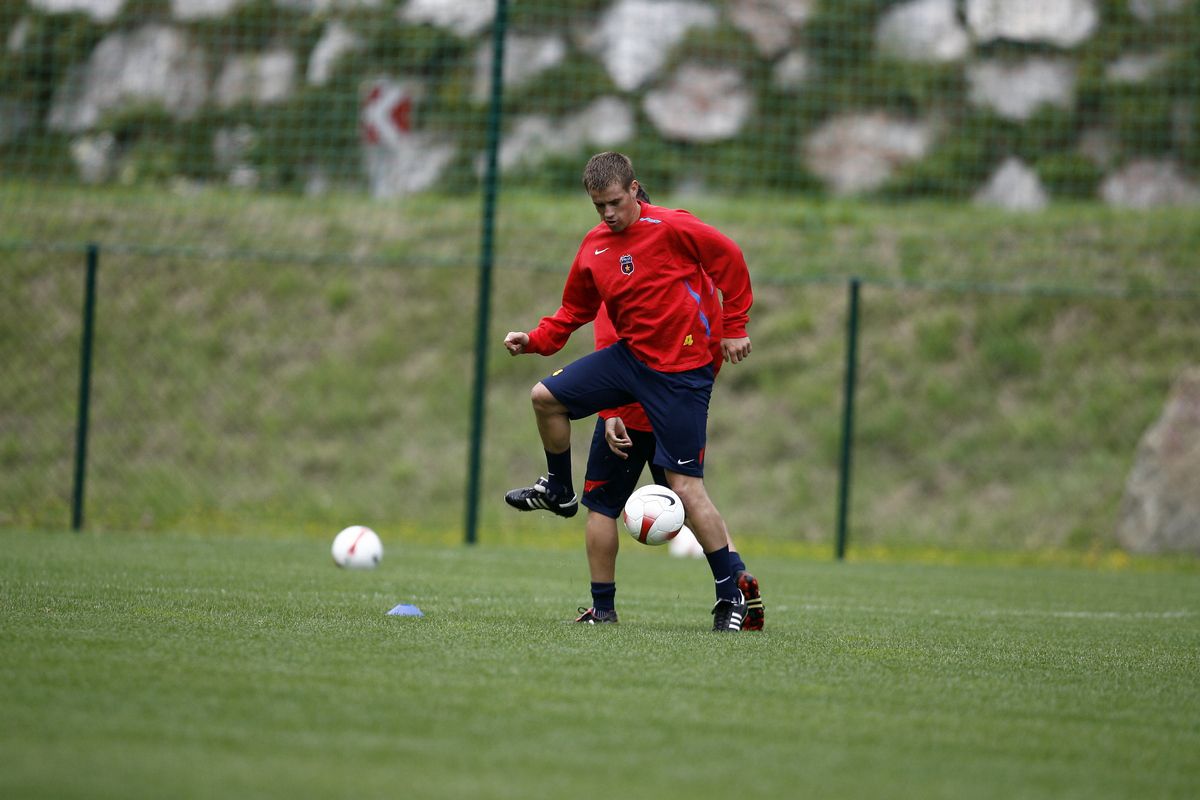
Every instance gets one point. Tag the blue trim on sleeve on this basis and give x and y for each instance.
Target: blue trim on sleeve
(696, 296)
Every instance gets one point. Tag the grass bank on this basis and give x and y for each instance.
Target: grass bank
(287, 364)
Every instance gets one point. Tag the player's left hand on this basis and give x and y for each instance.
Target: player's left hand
(734, 350)
(617, 436)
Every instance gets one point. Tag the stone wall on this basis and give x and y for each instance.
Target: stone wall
(1012, 102)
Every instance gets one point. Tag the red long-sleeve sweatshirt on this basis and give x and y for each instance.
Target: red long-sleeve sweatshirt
(633, 415)
(658, 278)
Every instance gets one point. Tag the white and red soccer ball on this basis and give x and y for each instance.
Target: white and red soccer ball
(357, 547)
(653, 515)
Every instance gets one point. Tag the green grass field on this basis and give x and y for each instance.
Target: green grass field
(171, 666)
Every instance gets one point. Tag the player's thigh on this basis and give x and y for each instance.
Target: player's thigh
(677, 404)
(592, 383)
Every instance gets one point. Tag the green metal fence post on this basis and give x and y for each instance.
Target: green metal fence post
(844, 476)
(85, 385)
(490, 185)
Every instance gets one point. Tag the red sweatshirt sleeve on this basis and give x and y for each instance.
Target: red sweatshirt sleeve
(726, 265)
(580, 301)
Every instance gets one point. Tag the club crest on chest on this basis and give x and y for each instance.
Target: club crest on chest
(627, 264)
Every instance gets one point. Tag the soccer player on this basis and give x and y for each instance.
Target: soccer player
(622, 445)
(658, 271)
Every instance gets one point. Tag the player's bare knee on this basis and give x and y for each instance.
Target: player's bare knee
(689, 488)
(544, 402)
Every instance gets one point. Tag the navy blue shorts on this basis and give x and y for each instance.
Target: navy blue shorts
(610, 479)
(675, 402)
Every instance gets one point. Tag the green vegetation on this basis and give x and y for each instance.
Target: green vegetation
(278, 364)
(192, 667)
(315, 130)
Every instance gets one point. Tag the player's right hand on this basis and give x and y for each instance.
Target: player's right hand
(516, 342)
(617, 436)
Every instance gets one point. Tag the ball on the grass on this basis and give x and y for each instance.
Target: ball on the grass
(357, 547)
(653, 515)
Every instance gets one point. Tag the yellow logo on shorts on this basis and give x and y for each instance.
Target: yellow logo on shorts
(555, 373)
(687, 340)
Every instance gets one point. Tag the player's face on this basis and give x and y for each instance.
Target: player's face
(618, 207)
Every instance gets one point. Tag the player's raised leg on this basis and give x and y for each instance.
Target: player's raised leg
(580, 389)
(552, 492)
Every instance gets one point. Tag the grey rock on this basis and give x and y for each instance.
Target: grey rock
(524, 58)
(258, 78)
(1136, 67)
(922, 30)
(635, 37)
(328, 6)
(1013, 187)
(857, 153)
(606, 123)
(1017, 89)
(770, 24)
(187, 10)
(99, 10)
(336, 41)
(465, 18)
(1146, 183)
(1064, 23)
(18, 36)
(153, 64)
(231, 149)
(1160, 510)
(792, 71)
(700, 104)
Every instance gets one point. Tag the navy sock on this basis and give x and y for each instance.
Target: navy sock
(718, 562)
(604, 596)
(558, 468)
(736, 564)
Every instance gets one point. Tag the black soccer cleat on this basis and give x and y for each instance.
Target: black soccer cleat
(539, 497)
(728, 615)
(755, 613)
(590, 616)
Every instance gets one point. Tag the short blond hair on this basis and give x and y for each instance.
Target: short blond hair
(605, 169)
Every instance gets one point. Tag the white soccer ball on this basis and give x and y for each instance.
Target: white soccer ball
(653, 515)
(357, 547)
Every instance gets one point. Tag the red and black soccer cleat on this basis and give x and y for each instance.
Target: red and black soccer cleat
(755, 613)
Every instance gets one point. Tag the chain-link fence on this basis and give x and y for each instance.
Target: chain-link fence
(1017, 103)
(286, 199)
(282, 397)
